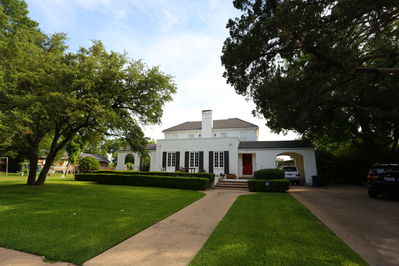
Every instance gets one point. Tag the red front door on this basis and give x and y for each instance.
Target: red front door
(247, 164)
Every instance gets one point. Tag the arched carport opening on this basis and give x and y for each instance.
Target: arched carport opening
(145, 162)
(292, 159)
(129, 161)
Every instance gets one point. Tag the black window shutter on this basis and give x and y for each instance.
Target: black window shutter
(226, 162)
(177, 161)
(201, 161)
(211, 162)
(186, 159)
(164, 159)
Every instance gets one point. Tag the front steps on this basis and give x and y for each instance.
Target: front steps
(232, 184)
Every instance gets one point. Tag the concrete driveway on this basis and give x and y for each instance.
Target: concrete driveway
(369, 226)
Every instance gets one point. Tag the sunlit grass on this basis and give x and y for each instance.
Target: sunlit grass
(74, 221)
(273, 229)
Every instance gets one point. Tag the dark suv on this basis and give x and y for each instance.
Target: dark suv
(383, 178)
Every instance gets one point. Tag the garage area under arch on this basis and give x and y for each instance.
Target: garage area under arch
(297, 161)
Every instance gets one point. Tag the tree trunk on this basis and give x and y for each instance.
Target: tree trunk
(32, 171)
(67, 167)
(43, 173)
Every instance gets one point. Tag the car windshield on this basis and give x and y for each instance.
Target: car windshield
(384, 169)
(289, 169)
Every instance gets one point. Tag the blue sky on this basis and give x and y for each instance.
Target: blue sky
(184, 38)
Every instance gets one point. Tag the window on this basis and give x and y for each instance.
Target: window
(171, 159)
(194, 159)
(219, 159)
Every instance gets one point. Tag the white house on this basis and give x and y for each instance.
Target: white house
(228, 146)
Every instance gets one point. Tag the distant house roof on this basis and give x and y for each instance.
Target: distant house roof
(217, 124)
(151, 146)
(274, 144)
(98, 157)
(148, 147)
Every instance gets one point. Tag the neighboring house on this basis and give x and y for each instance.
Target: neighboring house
(58, 166)
(228, 146)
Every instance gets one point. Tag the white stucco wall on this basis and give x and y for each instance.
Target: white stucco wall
(266, 158)
(244, 134)
(261, 157)
(204, 144)
(120, 165)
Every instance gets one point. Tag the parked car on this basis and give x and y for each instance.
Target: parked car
(383, 178)
(292, 174)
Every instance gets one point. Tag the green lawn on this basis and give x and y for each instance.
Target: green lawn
(74, 221)
(273, 229)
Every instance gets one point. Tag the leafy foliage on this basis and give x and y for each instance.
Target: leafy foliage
(88, 164)
(269, 173)
(49, 93)
(320, 67)
(193, 183)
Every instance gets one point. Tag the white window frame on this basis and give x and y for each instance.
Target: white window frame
(218, 159)
(193, 159)
(171, 159)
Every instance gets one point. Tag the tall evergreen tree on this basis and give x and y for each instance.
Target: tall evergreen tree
(320, 67)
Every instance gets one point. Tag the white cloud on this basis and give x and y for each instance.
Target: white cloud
(184, 37)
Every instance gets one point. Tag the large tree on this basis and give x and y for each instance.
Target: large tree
(51, 93)
(320, 67)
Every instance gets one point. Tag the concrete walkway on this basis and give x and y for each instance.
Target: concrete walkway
(369, 226)
(9, 257)
(176, 239)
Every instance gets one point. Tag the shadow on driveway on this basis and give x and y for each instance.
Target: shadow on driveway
(369, 226)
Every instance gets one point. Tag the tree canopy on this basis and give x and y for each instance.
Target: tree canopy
(325, 68)
(51, 94)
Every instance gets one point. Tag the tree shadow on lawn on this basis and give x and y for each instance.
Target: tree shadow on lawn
(76, 221)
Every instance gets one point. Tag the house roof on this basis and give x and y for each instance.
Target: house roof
(98, 157)
(148, 147)
(151, 146)
(217, 124)
(274, 144)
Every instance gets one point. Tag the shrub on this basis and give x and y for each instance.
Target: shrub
(148, 181)
(269, 173)
(85, 177)
(275, 185)
(210, 176)
(88, 165)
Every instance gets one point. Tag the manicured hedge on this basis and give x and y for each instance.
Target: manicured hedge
(275, 185)
(85, 177)
(193, 183)
(269, 173)
(210, 176)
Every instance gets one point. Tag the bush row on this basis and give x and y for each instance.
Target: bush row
(210, 176)
(269, 173)
(85, 177)
(275, 185)
(193, 183)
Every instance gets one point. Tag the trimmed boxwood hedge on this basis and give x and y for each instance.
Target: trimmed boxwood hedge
(269, 173)
(210, 176)
(275, 185)
(193, 183)
(85, 177)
